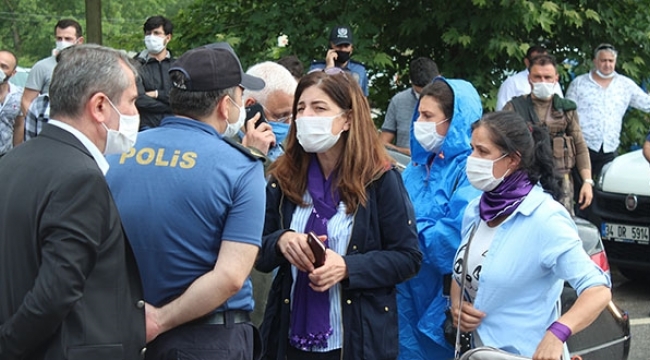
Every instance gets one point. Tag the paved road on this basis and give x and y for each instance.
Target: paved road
(634, 297)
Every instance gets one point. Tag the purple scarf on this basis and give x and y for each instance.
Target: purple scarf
(310, 314)
(506, 197)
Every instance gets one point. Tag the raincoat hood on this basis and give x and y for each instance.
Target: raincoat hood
(459, 134)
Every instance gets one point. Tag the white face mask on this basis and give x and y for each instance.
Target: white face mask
(426, 134)
(233, 128)
(543, 90)
(60, 45)
(155, 44)
(480, 173)
(121, 140)
(3, 76)
(611, 75)
(314, 133)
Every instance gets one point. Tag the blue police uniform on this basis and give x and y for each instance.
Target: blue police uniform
(357, 70)
(180, 191)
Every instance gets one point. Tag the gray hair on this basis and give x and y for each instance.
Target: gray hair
(194, 104)
(84, 70)
(605, 47)
(276, 77)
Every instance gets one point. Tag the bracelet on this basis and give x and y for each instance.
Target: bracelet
(156, 93)
(589, 181)
(560, 331)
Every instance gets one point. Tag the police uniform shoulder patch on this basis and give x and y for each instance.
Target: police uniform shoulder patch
(251, 152)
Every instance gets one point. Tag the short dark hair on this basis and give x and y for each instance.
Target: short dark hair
(293, 64)
(440, 90)
(66, 23)
(543, 60)
(535, 49)
(422, 71)
(157, 21)
(14, 56)
(194, 104)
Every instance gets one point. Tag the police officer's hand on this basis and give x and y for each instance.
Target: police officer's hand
(296, 250)
(331, 273)
(260, 137)
(330, 57)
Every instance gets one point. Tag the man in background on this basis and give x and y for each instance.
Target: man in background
(397, 124)
(517, 84)
(339, 55)
(154, 82)
(603, 96)
(67, 32)
(10, 96)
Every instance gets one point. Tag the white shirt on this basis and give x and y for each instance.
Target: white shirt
(517, 85)
(601, 110)
(92, 148)
(477, 252)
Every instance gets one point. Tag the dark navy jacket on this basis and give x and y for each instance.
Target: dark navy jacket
(383, 251)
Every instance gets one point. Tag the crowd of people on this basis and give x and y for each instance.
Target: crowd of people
(184, 204)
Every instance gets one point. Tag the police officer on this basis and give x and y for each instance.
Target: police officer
(192, 202)
(339, 56)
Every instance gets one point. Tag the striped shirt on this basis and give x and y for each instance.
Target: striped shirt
(339, 229)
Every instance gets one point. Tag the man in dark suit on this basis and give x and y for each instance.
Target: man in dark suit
(69, 285)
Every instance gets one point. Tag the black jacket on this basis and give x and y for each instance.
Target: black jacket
(153, 75)
(383, 251)
(69, 284)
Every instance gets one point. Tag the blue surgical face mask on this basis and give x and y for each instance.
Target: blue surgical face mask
(280, 130)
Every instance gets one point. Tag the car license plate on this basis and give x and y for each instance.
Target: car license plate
(625, 233)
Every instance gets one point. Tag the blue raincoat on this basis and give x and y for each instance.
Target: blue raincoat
(440, 191)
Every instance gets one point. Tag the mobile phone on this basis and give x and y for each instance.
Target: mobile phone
(317, 247)
(255, 109)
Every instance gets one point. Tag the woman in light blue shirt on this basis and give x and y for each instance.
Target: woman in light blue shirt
(524, 246)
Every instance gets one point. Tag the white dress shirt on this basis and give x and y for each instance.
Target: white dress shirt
(601, 109)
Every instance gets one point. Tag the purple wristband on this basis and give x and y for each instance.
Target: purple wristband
(560, 331)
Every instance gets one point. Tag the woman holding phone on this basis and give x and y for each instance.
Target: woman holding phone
(336, 180)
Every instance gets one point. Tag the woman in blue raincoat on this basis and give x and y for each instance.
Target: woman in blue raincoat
(436, 182)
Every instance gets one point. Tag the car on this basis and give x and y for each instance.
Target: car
(608, 337)
(621, 209)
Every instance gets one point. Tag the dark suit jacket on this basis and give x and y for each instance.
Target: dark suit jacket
(69, 285)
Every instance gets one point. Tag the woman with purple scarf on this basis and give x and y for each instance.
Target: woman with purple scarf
(336, 180)
(523, 246)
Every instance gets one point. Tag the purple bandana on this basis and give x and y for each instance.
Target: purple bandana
(506, 197)
(310, 314)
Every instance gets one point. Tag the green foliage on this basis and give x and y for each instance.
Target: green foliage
(27, 26)
(482, 41)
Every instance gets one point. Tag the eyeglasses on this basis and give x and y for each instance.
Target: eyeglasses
(283, 119)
